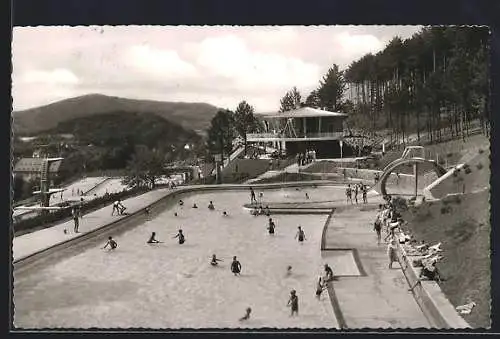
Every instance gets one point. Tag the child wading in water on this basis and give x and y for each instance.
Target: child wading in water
(271, 226)
(112, 244)
(152, 239)
(293, 302)
(300, 235)
(181, 237)
(215, 261)
(320, 286)
(236, 266)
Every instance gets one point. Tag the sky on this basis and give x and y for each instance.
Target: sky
(219, 65)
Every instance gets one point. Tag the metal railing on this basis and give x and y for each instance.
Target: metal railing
(335, 135)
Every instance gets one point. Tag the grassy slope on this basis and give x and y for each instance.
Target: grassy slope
(462, 224)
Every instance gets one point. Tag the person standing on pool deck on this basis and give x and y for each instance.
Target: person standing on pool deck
(181, 237)
(391, 252)
(75, 219)
(252, 196)
(300, 235)
(356, 193)
(112, 244)
(365, 192)
(293, 302)
(348, 193)
(271, 226)
(115, 208)
(236, 266)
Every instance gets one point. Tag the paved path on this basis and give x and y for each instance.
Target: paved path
(381, 298)
(30, 243)
(293, 168)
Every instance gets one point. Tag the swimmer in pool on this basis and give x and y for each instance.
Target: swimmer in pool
(152, 239)
(215, 261)
(300, 235)
(112, 244)
(181, 237)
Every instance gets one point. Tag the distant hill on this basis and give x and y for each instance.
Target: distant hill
(107, 141)
(115, 129)
(192, 116)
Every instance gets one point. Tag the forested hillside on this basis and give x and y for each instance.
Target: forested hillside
(434, 82)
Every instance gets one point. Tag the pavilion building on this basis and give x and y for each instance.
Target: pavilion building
(304, 129)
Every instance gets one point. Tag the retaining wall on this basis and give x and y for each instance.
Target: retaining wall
(436, 307)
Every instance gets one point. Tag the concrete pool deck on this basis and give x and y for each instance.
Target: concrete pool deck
(380, 298)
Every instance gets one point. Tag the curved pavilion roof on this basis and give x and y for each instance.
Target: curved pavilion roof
(303, 112)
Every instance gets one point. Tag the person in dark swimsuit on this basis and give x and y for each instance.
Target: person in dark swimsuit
(194, 205)
(181, 237)
(181, 202)
(300, 235)
(224, 214)
(247, 314)
(236, 266)
(348, 193)
(328, 273)
(293, 302)
(211, 206)
(215, 261)
(252, 196)
(111, 243)
(152, 239)
(271, 226)
(320, 287)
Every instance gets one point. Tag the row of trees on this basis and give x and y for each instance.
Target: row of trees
(433, 82)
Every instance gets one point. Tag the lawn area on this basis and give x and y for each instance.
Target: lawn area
(462, 224)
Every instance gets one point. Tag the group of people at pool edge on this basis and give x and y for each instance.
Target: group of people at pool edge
(351, 192)
(390, 220)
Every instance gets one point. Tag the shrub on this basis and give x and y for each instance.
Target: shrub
(445, 209)
(47, 220)
(400, 203)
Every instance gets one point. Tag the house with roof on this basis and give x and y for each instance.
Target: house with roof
(32, 168)
(302, 129)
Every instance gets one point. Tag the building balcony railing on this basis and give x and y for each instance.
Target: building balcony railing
(284, 136)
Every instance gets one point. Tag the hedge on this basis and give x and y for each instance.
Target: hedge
(63, 215)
